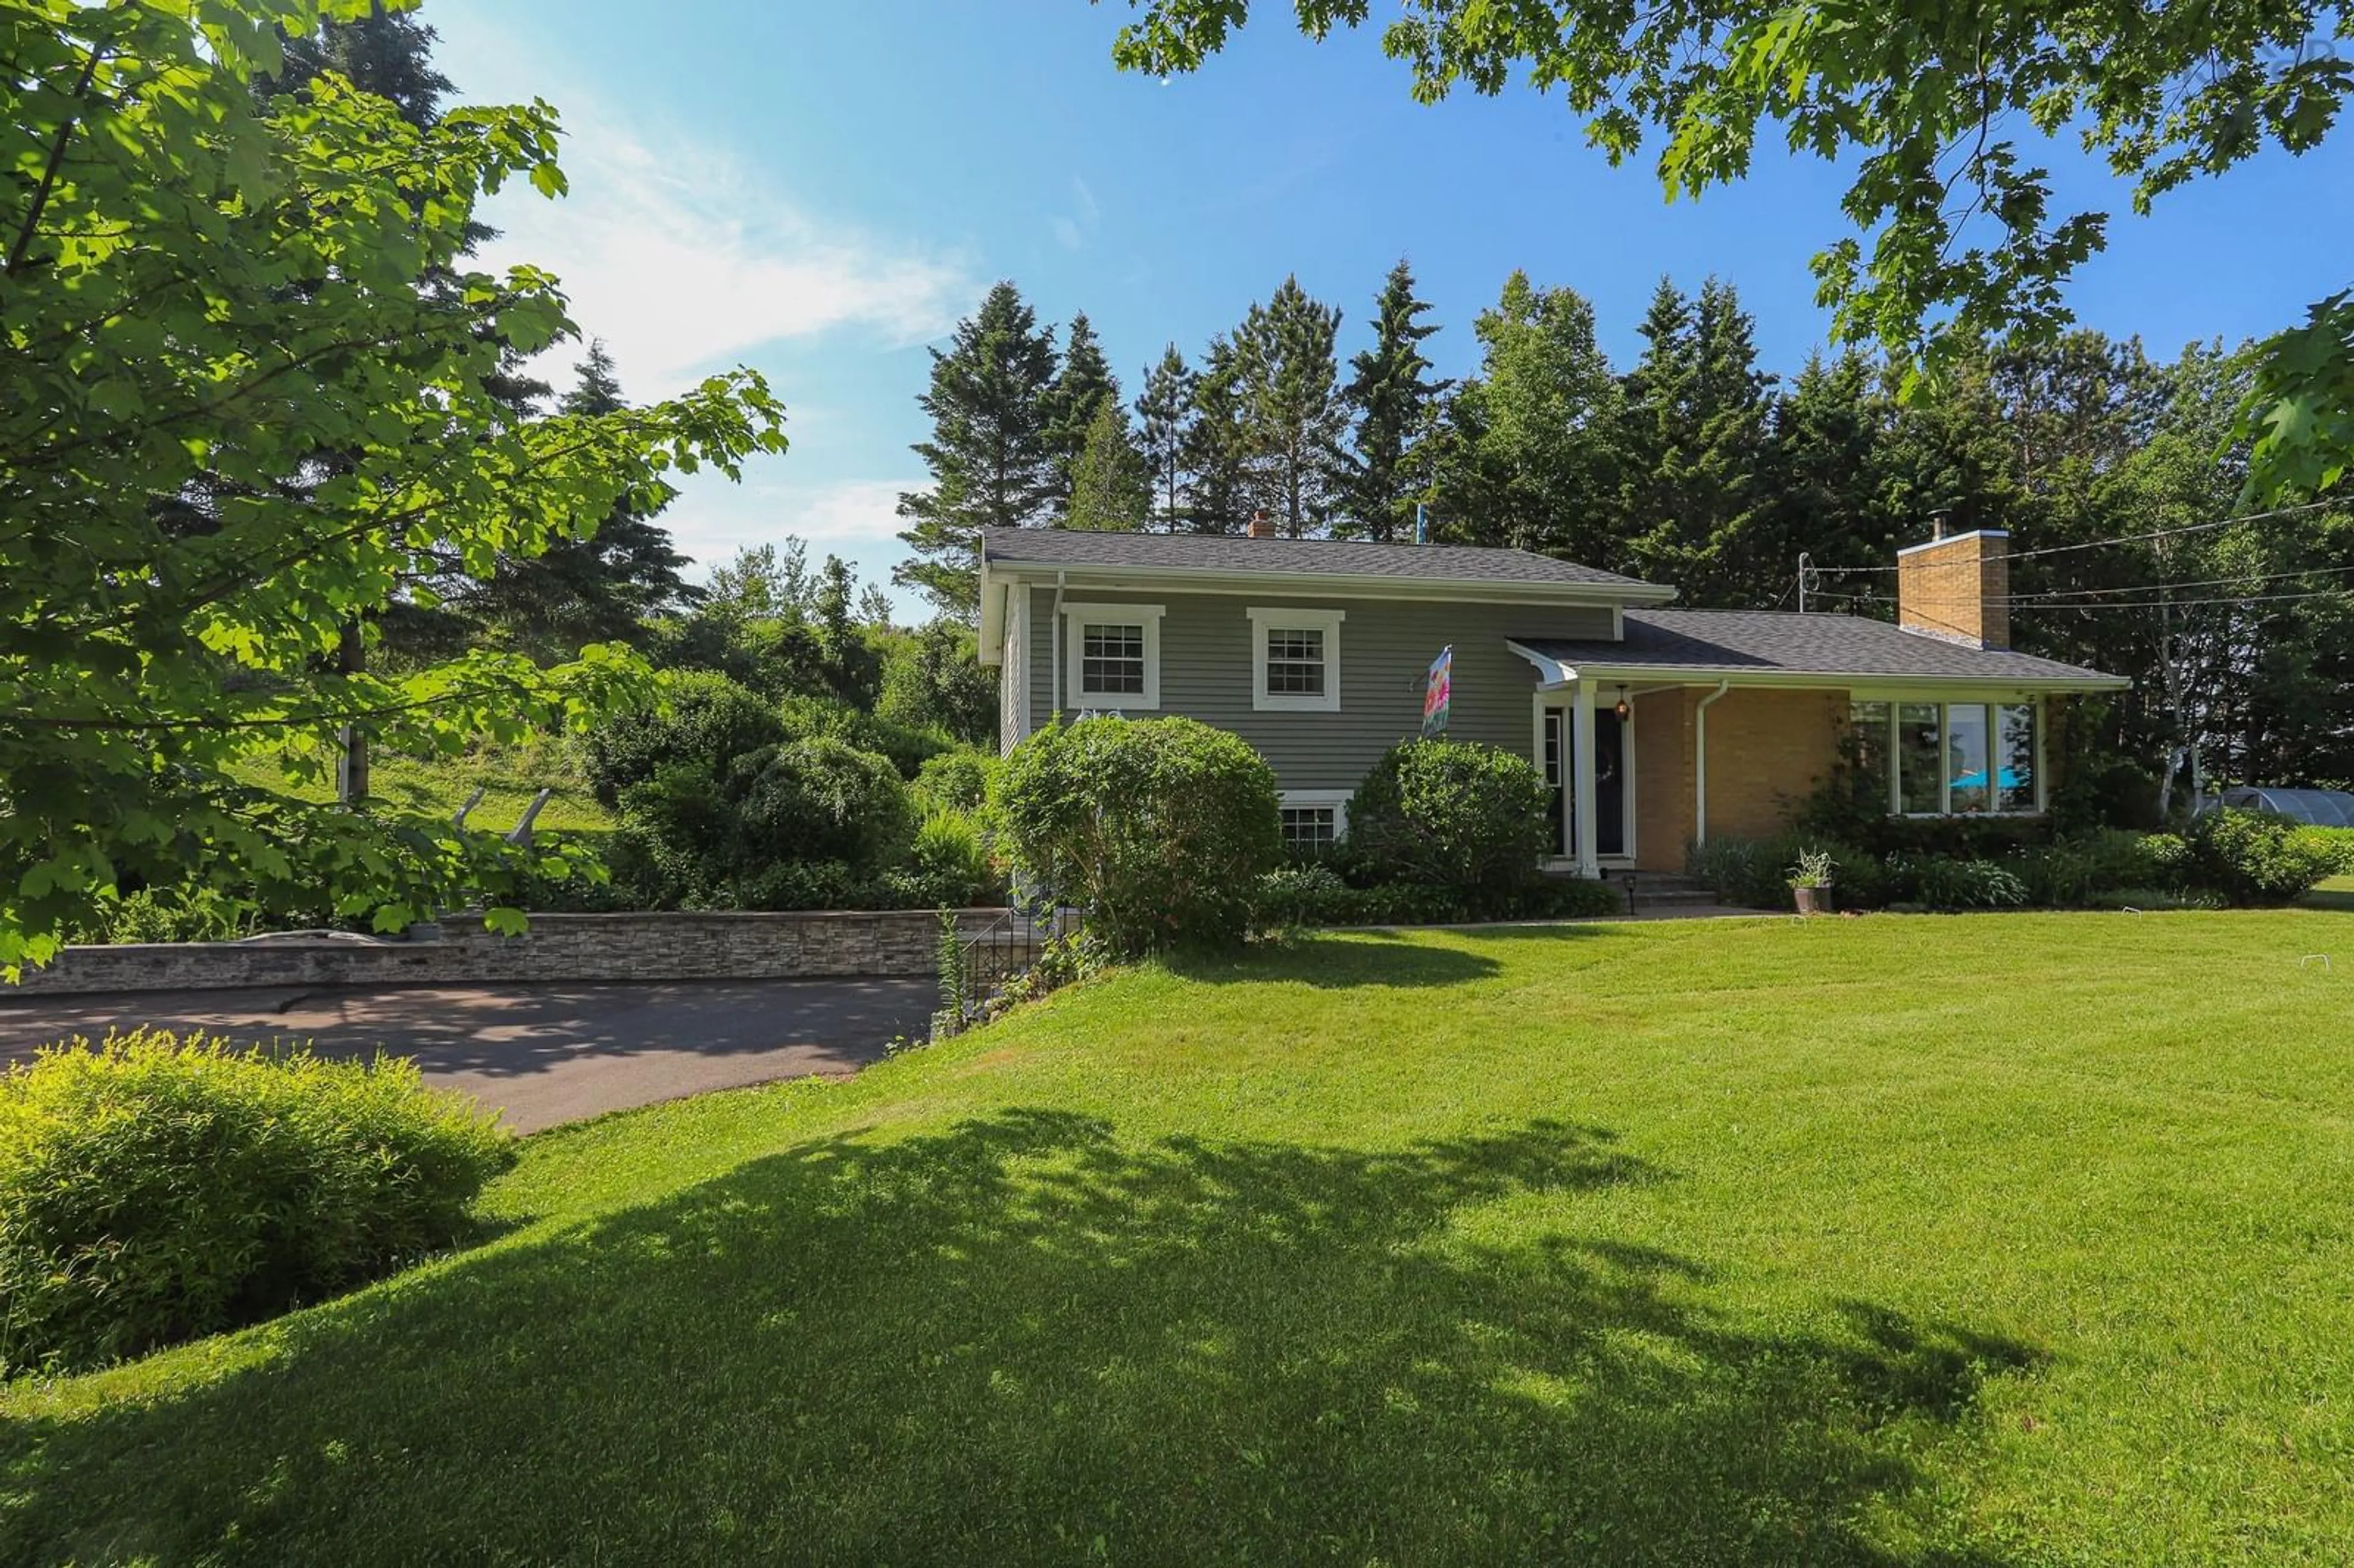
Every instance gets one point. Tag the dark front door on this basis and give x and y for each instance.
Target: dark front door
(1609, 782)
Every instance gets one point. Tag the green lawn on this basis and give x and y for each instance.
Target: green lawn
(1967, 1242)
(509, 778)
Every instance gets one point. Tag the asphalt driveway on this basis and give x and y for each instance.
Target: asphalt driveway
(538, 1053)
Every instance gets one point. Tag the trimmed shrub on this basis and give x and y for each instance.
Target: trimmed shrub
(1755, 874)
(157, 1189)
(908, 748)
(957, 780)
(1305, 895)
(1161, 828)
(2255, 857)
(1450, 814)
(820, 800)
(748, 837)
(707, 722)
(1936, 883)
(2336, 843)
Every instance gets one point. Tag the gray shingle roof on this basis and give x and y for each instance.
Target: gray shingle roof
(1337, 557)
(1772, 642)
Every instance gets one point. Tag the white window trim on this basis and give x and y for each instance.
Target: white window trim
(1314, 799)
(1897, 703)
(1078, 618)
(1265, 619)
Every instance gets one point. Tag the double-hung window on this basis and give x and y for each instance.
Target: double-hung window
(1112, 657)
(1296, 660)
(1963, 759)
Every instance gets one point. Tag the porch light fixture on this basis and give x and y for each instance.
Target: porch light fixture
(1624, 707)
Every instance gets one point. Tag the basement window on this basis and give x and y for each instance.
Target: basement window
(1313, 820)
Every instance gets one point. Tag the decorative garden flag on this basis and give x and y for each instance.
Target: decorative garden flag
(1439, 693)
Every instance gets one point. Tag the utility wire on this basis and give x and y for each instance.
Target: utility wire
(2125, 539)
(2163, 587)
(2191, 603)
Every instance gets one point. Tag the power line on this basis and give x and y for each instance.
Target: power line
(2192, 603)
(2163, 587)
(2172, 533)
(2124, 540)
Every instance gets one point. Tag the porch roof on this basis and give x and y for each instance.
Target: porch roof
(1770, 648)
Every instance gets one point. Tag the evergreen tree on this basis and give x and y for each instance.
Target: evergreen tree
(1528, 453)
(1217, 445)
(1111, 490)
(1166, 412)
(1082, 387)
(1292, 413)
(597, 589)
(1393, 399)
(1823, 450)
(386, 53)
(1697, 407)
(991, 463)
(851, 666)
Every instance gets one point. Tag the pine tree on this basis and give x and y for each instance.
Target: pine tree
(600, 589)
(1165, 410)
(1697, 405)
(1822, 455)
(1393, 399)
(1082, 387)
(1528, 454)
(1111, 489)
(1216, 447)
(386, 53)
(990, 458)
(1293, 417)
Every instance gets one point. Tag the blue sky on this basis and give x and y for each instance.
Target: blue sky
(819, 191)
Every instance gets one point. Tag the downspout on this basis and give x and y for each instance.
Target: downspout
(1700, 761)
(1054, 649)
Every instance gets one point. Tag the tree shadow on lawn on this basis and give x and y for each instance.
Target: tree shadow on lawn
(1362, 957)
(1026, 1339)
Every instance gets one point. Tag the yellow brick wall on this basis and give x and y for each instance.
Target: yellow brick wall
(1766, 752)
(1663, 779)
(1958, 589)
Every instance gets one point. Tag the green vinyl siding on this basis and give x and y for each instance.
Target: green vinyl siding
(1386, 652)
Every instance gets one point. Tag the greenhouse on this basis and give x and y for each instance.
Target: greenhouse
(2323, 807)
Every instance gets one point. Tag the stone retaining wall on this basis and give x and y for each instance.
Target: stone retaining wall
(821, 945)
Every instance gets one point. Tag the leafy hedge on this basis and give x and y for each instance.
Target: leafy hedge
(1317, 895)
(2226, 857)
(157, 1189)
(1161, 828)
(1469, 819)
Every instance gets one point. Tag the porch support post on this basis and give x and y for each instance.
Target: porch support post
(1589, 859)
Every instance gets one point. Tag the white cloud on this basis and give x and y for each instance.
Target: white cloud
(683, 256)
(1072, 230)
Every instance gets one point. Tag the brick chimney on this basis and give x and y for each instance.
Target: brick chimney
(1958, 589)
(1262, 526)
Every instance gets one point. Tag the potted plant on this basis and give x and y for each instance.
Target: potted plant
(1810, 882)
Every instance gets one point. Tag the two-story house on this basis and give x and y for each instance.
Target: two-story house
(1655, 726)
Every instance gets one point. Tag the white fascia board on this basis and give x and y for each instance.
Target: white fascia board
(991, 635)
(1558, 672)
(1331, 585)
